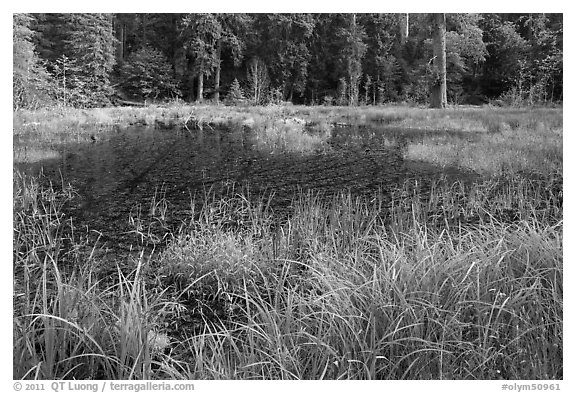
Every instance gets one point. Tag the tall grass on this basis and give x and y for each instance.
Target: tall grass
(356, 290)
(69, 322)
(501, 140)
(537, 150)
(485, 119)
(437, 281)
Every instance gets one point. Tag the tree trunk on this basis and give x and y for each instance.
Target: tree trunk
(120, 33)
(200, 96)
(438, 90)
(354, 68)
(377, 95)
(403, 28)
(255, 81)
(217, 76)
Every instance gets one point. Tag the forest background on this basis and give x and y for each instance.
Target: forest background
(93, 60)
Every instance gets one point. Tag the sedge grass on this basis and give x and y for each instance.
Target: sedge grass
(502, 140)
(436, 281)
(356, 292)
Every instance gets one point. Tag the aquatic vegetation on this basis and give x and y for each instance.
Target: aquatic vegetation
(510, 138)
(537, 150)
(355, 267)
(443, 280)
(289, 136)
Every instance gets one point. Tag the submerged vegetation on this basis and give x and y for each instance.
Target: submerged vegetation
(436, 279)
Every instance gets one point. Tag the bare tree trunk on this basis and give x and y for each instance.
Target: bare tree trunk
(200, 96)
(120, 33)
(257, 79)
(403, 28)
(354, 71)
(377, 95)
(217, 76)
(438, 90)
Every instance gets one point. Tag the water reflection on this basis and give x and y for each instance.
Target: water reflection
(115, 176)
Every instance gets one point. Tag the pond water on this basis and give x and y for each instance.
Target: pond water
(134, 168)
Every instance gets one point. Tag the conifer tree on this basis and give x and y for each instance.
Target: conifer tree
(29, 78)
(147, 73)
(91, 44)
(235, 95)
(201, 34)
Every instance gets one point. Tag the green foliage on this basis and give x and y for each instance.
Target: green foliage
(435, 284)
(235, 95)
(30, 82)
(379, 62)
(79, 54)
(367, 89)
(353, 49)
(90, 43)
(147, 74)
(201, 32)
(389, 79)
(306, 55)
(284, 46)
(506, 50)
(68, 89)
(342, 92)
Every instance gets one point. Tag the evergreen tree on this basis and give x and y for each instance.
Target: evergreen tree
(284, 45)
(91, 44)
(299, 57)
(84, 44)
(201, 34)
(235, 95)
(235, 28)
(148, 74)
(51, 33)
(29, 78)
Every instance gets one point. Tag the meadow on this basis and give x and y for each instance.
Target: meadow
(435, 279)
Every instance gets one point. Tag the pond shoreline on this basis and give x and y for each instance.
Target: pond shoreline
(377, 262)
(527, 128)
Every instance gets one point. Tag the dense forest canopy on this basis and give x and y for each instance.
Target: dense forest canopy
(88, 60)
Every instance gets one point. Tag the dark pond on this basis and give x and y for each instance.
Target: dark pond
(131, 169)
